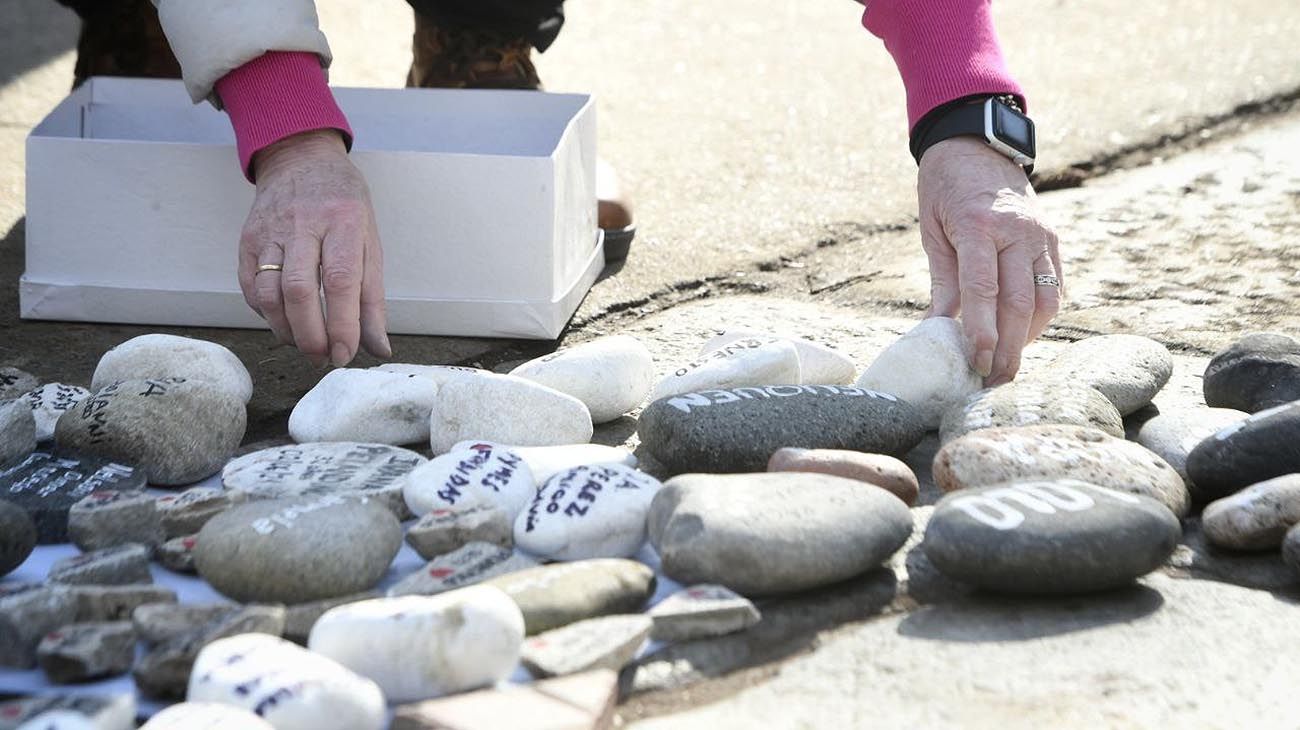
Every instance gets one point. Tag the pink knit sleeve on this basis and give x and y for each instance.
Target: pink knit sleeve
(944, 49)
(276, 95)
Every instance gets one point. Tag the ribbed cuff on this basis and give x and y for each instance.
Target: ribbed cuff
(276, 95)
(944, 49)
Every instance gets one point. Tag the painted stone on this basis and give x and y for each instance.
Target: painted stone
(1261, 447)
(751, 361)
(85, 651)
(49, 402)
(474, 563)
(439, 374)
(159, 623)
(818, 363)
(29, 611)
(608, 642)
(69, 712)
(443, 530)
(1032, 402)
(14, 383)
(367, 406)
(177, 554)
(205, 716)
(187, 512)
(17, 537)
(164, 671)
(702, 611)
(46, 485)
(107, 518)
(506, 409)
(117, 565)
(483, 475)
(588, 512)
(158, 357)
(611, 375)
(547, 461)
(17, 431)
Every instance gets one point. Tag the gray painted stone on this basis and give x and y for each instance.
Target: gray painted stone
(1257, 517)
(14, 383)
(556, 595)
(79, 711)
(702, 611)
(1172, 435)
(158, 623)
(164, 671)
(17, 536)
(467, 566)
(28, 611)
(1128, 369)
(608, 642)
(445, 530)
(1257, 372)
(108, 518)
(187, 512)
(49, 402)
(117, 565)
(1031, 402)
(1264, 446)
(46, 485)
(17, 431)
(118, 603)
(85, 651)
(159, 356)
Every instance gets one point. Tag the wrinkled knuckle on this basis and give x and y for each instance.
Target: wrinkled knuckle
(339, 278)
(298, 290)
(980, 289)
(266, 298)
(1019, 303)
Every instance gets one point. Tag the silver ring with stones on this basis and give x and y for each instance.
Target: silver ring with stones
(1046, 280)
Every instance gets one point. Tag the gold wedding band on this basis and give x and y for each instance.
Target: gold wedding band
(269, 267)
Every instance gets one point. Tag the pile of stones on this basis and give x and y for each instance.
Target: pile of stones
(787, 478)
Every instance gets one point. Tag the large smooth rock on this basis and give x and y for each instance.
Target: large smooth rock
(1261, 447)
(84, 651)
(738, 430)
(17, 431)
(547, 461)
(506, 409)
(556, 595)
(376, 471)
(1030, 402)
(118, 565)
(205, 716)
(159, 357)
(108, 518)
(470, 565)
(29, 611)
(880, 470)
(1059, 536)
(929, 367)
(1257, 517)
(588, 512)
(17, 536)
(1128, 369)
(286, 685)
(164, 672)
(445, 530)
(1172, 435)
(178, 431)
(419, 647)
(764, 534)
(49, 402)
(608, 642)
(1257, 372)
(46, 486)
(369, 406)
(611, 375)
(751, 361)
(1032, 453)
(700, 612)
(576, 702)
(14, 383)
(818, 363)
(483, 475)
(78, 711)
(297, 550)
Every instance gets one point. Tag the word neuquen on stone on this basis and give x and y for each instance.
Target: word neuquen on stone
(702, 399)
(1002, 508)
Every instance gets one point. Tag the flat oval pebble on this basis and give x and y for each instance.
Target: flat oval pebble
(444, 530)
(765, 534)
(880, 470)
(588, 512)
(468, 565)
(50, 401)
(1128, 369)
(17, 431)
(738, 430)
(818, 363)
(377, 471)
(177, 431)
(46, 485)
(1029, 453)
(559, 594)
(1257, 372)
(482, 475)
(205, 716)
(159, 357)
(419, 647)
(297, 550)
(506, 409)
(286, 685)
(702, 611)
(929, 367)
(1057, 536)
(106, 518)
(369, 406)
(547, 461)
(1257, 517)
(1263, 446)
(14, 383)
(1172, 435)
(608, 642)
(1032, 402)
(17, 536)
(747, 361)
(611, 375)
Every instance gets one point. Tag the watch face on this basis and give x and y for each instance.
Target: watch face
(1013, 129)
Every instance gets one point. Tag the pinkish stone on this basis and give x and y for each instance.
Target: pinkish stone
(880, 470)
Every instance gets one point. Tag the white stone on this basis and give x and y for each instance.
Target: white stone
(420, 647)
(746, 361)
(482, 475)
(588, 512)
(473, 563)
(372, 406)
(547, 461)
(612, 375)
(608, 642)
(64, 720)
(1173, 434)
(439, 374)
(205, 716)
(818, 364)
(701, 611)
(288, 686)
(169, 356)
(508, 410)
(929, 367)
(50, 401)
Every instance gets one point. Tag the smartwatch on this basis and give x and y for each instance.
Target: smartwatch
(995, 119)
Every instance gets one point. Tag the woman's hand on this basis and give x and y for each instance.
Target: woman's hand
(986, 240)
(312, 215)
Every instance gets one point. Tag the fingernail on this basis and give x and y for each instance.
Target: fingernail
(340, 355)
(387, 346)
(318, 361)
(984, 363)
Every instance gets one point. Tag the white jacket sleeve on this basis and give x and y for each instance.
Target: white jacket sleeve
(211, 38)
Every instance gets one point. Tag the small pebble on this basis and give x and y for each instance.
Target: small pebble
(205, 716)
(69, 712)
(158, 623)
(702, 611)
(108, 518)
(86, 651)
(1257, 517)
(608, 642)
(165, 671)
(880, 470)
(118, 602)
(445, 530)
(29, 611)
(117, 565)
(187, 512)
(49, 402)
(177, 554)
(551, 596)
(14, 383)
(17, 536)
(818, 364)
(46, 485)
(471, 564)
(17, 431)
(752, 361)
(576, 702)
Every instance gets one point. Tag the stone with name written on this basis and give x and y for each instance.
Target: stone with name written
(469, 565)
(118, 603)
(1049, 536)
(701, 611)
(367, 406)
(117, 565)
(158, 356)
(17, 431)
(69, 712)
(929, 367)
(1263, 446)
(509, 410)
(377, 471)
(205, 716)
(85, 651)
(445, 530)
(158, 623)
(164, 671)
(419, 647)
(750, 361)
(588, 512)
(883, 471)
(575, 702)
(1257, 372)
(1257, 517)
(49, 402)
(608, 642)
(818, 364)
(46, 485)
(556, 595)
(300, 617)
(28, 611)
(1030, 453)
(1128, 369)
(177, 554)
(738, 430)
(107, 518)
(14, 383)
(482, 475)
(611, 375)
(187, 512)
(177, 431)
(773, 533)
(297, 550)
(1032, 402)
(286, 685)
(439, 374)
(547, 461)
(17, 536)
(1172, 435)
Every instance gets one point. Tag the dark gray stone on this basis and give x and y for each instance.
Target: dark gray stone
(158, 623)
(17, 536)
(15, 382)
(46, 485)
(17, 431)
(559, 594)
(187, 512)
(1030, 402)
(1257, 372)
(117, 565)
(1049, 537)
(1264, 446)
(84, 651)
(738, 430)
(774, 533)
(298, 550)
(108, 518)
(28, 611)
(177, 431)
(164, 672)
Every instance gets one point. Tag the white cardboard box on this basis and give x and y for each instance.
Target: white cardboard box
(485, 202)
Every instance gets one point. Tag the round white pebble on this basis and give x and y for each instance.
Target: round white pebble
(372, 406)
(747, 361)
(588, 512)
(168, 356)
(818, 364)
(482, 474)
(611, 375)
(927, 367)
(506, 409)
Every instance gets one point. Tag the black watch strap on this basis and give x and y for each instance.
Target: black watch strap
(959, 117)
